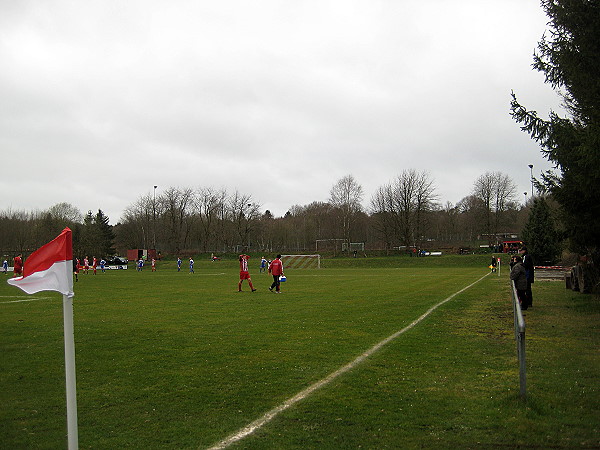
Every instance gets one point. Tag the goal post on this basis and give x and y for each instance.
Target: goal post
(329, 244)
(301, 261)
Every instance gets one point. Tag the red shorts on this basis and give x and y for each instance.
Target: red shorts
(244, 275)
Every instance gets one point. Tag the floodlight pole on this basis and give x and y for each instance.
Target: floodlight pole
(531, 169)
(154, 219)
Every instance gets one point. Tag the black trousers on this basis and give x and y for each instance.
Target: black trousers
(276, 282)
(528, 294)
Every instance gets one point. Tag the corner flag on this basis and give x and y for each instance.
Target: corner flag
(49, 268)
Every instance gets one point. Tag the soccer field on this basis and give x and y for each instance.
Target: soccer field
(178, 360)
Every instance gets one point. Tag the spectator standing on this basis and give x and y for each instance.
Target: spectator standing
(529, 271)
(519, 276)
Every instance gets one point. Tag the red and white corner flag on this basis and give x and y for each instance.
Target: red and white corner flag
(49, 268)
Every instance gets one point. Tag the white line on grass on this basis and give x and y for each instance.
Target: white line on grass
(258, 423)
(26, 300)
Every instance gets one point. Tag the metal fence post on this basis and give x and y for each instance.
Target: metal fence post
(520, 340)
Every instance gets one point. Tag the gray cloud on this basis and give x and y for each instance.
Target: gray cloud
(102, 100)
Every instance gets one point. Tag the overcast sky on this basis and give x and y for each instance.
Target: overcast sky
(102, 100)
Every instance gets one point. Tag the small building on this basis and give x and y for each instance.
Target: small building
(141, 253)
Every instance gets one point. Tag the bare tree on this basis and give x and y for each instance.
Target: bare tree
(175, 210)
(15, 231)
(496, 191)
(384, 219)
(401, 207)
(505, 200)
(209, 205)
(346, 195)
(447, 228)
(66, 212)
(224, 219)
(424, 203)
(137, 223)
(245, 213)
(470, 213)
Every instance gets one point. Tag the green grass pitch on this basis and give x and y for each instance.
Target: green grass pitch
(178, 360)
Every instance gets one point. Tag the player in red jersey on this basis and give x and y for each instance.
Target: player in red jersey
(244, 274)
(18, 266)
(276, 269)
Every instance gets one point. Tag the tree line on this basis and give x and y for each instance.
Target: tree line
(401, 214)
(24, 232)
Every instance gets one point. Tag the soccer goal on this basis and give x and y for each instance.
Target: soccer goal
(301, 261)
(353, 246)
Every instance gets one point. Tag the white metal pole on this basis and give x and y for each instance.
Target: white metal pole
(522, 366)
(72, 434)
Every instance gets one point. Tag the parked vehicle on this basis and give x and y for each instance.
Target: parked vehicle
(116, 261)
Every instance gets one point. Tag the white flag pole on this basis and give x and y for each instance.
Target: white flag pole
(72, 434)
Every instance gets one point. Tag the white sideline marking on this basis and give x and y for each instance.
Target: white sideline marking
(209, 274)
(26, 300)
(258, 423)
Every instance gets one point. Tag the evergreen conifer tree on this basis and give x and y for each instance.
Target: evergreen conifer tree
(570, 61)
(540, 235)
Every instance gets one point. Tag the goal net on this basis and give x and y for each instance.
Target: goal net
(301, 261)
(353, 246)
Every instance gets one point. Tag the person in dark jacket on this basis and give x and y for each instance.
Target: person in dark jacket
(519, 275)
(529, 271)
(76, 268)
